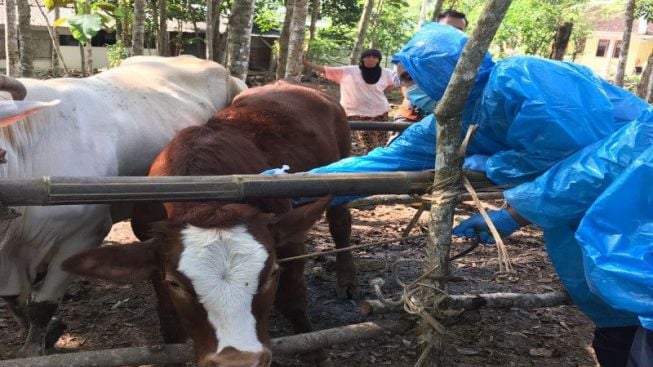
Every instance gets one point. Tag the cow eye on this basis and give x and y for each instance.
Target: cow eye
(172, 283)
(275, 270)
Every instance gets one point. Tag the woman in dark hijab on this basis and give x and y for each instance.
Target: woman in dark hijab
(362, 94)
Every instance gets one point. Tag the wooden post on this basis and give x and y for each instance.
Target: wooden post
(474, 302)
(448, 169)
(181, 353)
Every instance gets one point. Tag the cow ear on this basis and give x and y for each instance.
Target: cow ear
(117, 263)
(13, 111)
(292, 226)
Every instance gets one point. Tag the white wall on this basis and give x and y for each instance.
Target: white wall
(72, 58)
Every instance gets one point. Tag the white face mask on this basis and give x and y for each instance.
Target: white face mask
(420, 99)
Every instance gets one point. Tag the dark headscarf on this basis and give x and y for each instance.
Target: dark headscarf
(371, 75)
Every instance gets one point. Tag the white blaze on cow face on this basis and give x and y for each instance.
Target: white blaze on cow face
(224, 266)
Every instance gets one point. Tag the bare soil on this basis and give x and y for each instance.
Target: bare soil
(100, 315)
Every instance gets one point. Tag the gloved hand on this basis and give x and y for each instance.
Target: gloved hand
(476, 162)
(276, 171)
(475, 225)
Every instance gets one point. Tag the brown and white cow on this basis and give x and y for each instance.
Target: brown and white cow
(213, 264)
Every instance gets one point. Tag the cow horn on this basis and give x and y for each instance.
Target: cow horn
(13, 86)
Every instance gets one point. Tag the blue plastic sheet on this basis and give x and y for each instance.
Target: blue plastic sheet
(563, 194)
(616, 235)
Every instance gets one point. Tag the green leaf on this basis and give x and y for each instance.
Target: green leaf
(51, 4)
(84, 27)
(108, 22)
(108, 7)
(60, 22)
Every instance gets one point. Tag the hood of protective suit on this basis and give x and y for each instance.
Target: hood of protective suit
(431, 56)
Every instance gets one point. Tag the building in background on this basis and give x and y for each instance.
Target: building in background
(604, 44)
(191, 36)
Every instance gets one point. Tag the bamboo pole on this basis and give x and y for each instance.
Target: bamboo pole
(94, 190)
(378, 125)
(477, 301)
(181, 353)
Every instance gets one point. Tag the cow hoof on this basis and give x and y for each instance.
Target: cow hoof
(54, 332)
(348, 292)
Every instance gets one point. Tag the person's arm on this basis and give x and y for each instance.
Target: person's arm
(313, 66)
(393, 81)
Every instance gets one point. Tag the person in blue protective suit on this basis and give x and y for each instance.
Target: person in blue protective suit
(567, 145)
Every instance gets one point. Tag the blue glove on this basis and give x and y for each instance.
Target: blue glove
(276, 171)
(476, 162)
(475, 225)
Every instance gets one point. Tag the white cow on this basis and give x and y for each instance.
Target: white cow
(110, 124)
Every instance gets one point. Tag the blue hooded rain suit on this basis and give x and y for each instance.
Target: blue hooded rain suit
(575, 151)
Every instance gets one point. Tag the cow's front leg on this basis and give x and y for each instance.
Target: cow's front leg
(31, 318)
(292, 301)
(18, 309)
(39, 315)
(339, 219)
(44, 330)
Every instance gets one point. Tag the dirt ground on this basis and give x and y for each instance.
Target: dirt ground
(100, 315)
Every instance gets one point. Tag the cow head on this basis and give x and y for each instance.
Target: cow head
(218, 267)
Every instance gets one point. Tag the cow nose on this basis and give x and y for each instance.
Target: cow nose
(231, 357)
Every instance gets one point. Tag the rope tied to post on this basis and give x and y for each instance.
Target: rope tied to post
(422, 298)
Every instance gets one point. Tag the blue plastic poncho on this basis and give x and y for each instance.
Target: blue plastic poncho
(531, 112)
(561, 197)
(574, 146)
(618, 248)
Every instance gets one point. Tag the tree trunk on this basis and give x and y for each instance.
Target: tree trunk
(213, 29)
(448, 170)
(89, 58)
(11, 40)
(625, 43)
(55, 49)
(163, 40)
(283, 40)
(645, 81)
(82, 60)
(561, 41)
(138, 35)
(362, 32)
(222, 47)
(88, 47)
(196, 30)
(56, 46)
(239, 37)
(152, 34)
(422, 12)
(579, 47)
(296, 40)
(315, 14)
(25, 39)
(375, 23)
(437, 9)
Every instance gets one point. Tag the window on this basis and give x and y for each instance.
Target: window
(602, 49)
(617, 50)
(101, 39)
